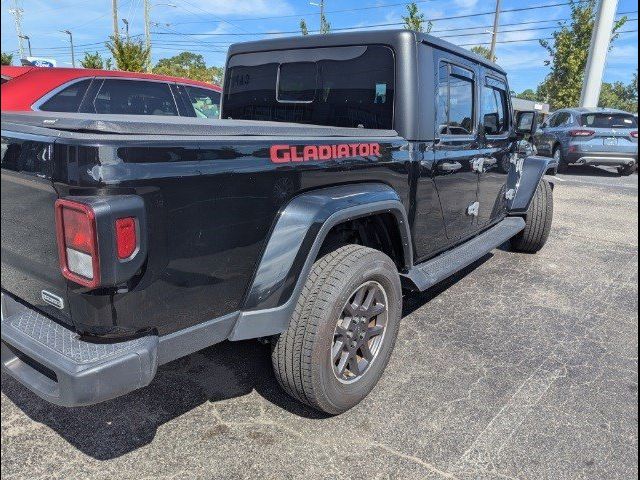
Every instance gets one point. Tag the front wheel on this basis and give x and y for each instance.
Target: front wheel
(343, 330)
(561, 166)
(539, 220)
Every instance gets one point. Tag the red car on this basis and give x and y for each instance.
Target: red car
(106, 92)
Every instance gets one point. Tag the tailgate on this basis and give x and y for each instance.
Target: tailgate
(30, 265)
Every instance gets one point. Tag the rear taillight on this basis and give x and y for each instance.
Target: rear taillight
(126, 237)
(78, 243)
(634, 134)
(582, 133)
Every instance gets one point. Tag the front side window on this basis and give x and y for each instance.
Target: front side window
(134, 97)
(206, 103)
(340, 87)
(67, 99)
(455, 100)
(560, 119)
(495, 112)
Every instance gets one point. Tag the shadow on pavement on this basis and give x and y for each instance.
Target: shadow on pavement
(587, 171)
(225, 371)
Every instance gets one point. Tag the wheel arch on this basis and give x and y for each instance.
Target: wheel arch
(296, 241)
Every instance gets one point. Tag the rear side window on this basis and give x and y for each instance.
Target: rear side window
(495, 109)
(341, 87)
(601, 120)
(206, 103)
(455, 100)
(68, 99)
(134, 97)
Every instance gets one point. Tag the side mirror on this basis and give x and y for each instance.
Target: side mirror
(526, 124)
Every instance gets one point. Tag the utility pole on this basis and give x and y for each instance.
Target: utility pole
(17, 12)
(494, 36)
(73, 53)
(28, 39)
(114, 12)
(600, 42)
(147, 30)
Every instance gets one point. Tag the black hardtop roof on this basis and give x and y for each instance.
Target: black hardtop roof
(393, 38)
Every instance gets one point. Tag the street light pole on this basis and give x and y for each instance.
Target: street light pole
(126, 27)
(600, 42)
(494, 37)
(73, 53)
(28, 39)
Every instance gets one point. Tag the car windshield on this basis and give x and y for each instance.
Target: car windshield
(609, 120)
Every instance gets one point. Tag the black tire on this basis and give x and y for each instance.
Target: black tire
(539, 220)
(301, 356)
(627, 170)
(562, 167)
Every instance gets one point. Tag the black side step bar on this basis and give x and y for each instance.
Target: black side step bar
(426, 275)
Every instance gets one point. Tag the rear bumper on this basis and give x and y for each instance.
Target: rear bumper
(602, 158)
(53, 362)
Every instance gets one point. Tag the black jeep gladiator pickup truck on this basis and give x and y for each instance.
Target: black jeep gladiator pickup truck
(346, 169)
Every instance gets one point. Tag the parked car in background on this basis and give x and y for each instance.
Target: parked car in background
(591, 136)
(106, 92)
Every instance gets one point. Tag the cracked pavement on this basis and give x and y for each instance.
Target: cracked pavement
(519, 367)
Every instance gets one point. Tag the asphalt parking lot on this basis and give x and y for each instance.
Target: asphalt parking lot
(521, 367)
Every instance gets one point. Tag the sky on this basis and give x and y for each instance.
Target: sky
(212, 25)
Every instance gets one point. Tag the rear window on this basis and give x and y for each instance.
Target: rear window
(341, 87)
(602, 120)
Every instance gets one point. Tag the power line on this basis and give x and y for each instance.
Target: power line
(531, 39)
(298, 15)
(454, 17)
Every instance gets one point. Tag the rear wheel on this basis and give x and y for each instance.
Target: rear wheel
(343, 330)
(627, 170)
(539, 220)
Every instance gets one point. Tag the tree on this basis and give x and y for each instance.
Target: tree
(325, 26)
(7, 58)
(568, 52)
(482, 51)
(415, 20)
(188, 65)
(95, 61)
(620, 96)
(528, 94)
(303, 27)
(129, 55)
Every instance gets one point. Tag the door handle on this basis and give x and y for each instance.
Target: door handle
(482, 165)
(450, 166)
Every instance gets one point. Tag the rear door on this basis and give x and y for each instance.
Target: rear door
(496, 120)
(457, 144)
(30, 265)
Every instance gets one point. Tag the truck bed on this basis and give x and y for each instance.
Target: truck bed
(176, 127)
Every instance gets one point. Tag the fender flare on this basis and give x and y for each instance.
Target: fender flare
(532, 171)
(293, 246)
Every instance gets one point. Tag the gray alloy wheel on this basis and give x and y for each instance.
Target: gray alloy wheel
(360, 331)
